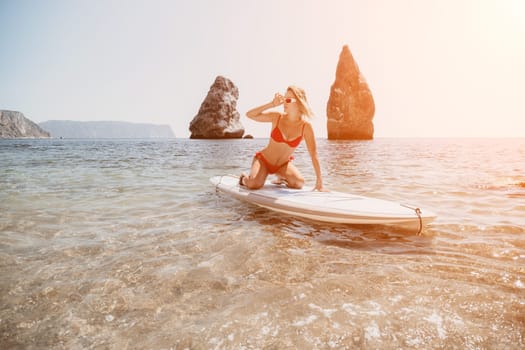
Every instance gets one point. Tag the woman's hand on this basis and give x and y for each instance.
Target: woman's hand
(319, 187)
(258, 113)
(278, 100)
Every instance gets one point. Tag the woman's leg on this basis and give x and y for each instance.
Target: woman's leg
(291, 175)
(257, 177)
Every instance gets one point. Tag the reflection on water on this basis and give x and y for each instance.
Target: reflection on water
(125, 244)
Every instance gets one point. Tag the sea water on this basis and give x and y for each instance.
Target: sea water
(124, 244)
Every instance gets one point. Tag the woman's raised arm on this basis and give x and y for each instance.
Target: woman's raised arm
(258, 114)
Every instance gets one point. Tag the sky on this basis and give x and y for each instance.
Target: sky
(436, 68)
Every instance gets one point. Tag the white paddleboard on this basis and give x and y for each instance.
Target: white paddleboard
(335, 207)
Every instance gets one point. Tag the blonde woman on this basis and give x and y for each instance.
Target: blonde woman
(288, 130)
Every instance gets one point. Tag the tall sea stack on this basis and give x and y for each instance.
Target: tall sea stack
(350, 108)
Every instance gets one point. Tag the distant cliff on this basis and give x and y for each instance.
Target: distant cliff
(105, 130)
(15, 125)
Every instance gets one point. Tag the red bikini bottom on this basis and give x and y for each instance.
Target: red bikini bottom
(272, 169)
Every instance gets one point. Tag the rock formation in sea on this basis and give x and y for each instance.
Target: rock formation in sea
(350, 108)
(218, 117)
(106, 130)
(14, 125)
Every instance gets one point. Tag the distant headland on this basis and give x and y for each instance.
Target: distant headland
(14, 125)
(105, 129)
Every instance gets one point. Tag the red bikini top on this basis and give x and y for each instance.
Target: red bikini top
(277, 136)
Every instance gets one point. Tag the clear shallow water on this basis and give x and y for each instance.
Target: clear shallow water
(125, 244)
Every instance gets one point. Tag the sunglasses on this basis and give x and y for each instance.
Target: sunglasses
(290, 100)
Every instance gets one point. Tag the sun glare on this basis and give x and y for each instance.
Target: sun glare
(514, 11)
(508, 15)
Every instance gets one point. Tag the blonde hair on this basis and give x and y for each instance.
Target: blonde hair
(303, 102)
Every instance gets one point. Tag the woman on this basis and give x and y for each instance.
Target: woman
(288, 130)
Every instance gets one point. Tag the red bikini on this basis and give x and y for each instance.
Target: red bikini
(272, 169)
(277, 136)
